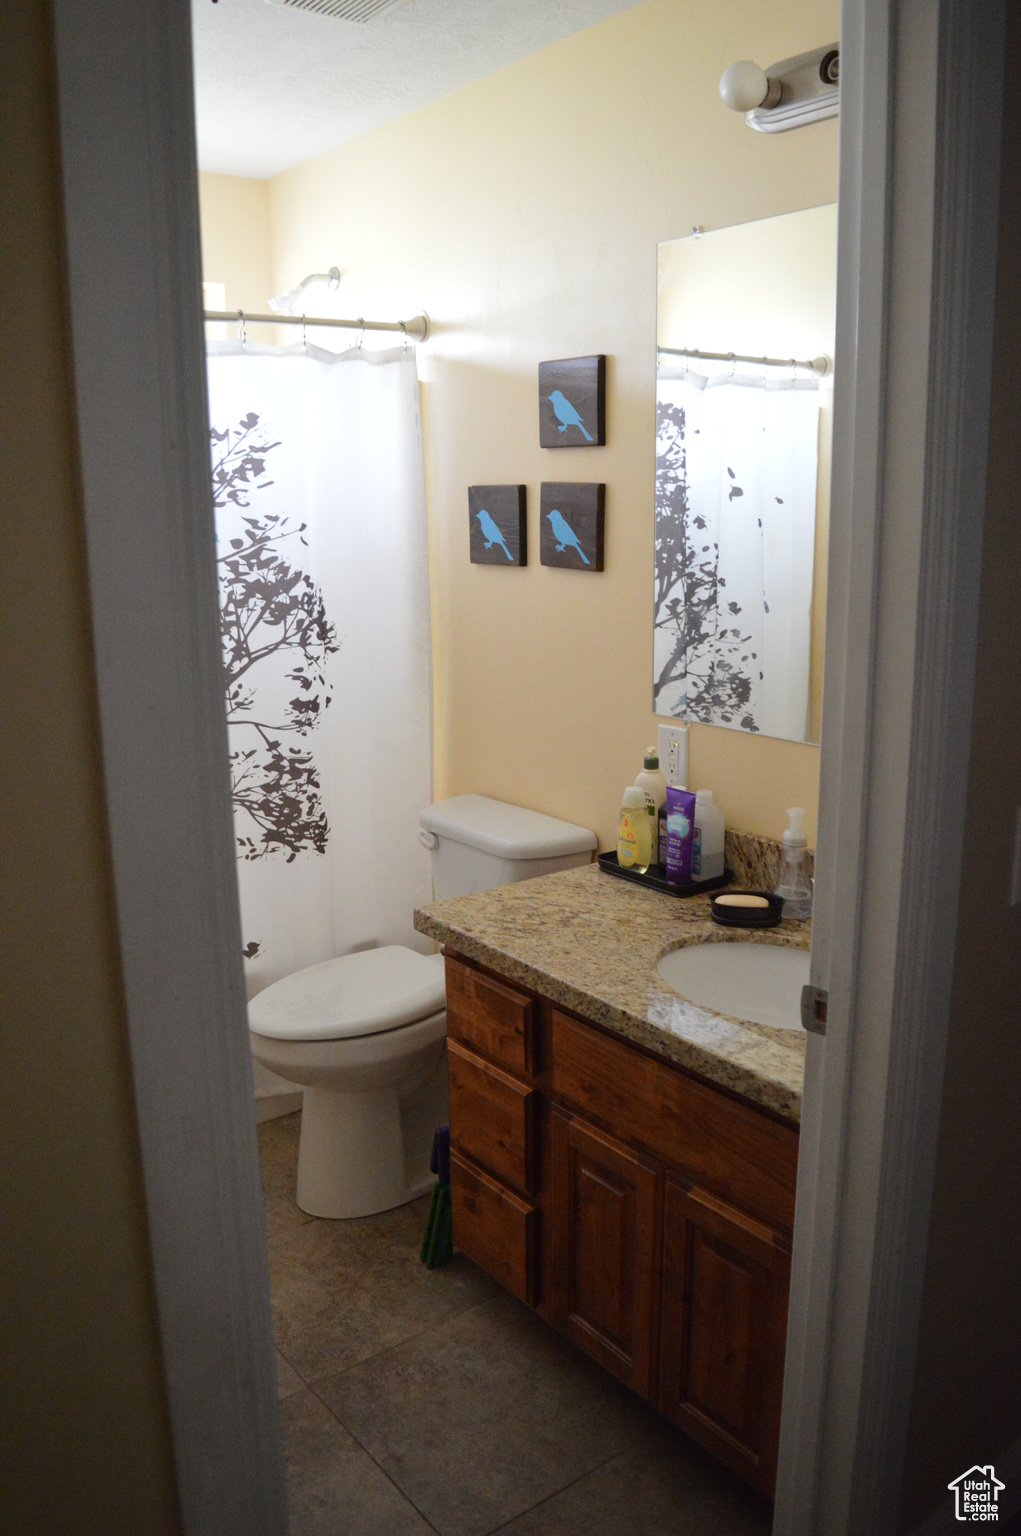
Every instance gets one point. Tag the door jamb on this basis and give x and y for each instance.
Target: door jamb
(133, 272)
(919, 209)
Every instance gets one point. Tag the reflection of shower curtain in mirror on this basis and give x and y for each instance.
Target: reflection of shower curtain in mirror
(736, 473)
(321, 553)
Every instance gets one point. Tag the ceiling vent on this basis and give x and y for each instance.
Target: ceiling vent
(345, 10)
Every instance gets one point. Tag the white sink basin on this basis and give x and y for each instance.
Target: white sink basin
(759, 983)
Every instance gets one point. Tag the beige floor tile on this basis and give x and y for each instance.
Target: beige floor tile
(334, 1488)
(278, 1155)
(345, 1290)
(665, 1488)
(481, 1419)
(288, 1380)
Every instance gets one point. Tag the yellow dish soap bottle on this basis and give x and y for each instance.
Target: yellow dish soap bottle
(634, 831)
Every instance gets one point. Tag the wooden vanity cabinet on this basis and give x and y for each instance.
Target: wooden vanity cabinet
(644, 1213)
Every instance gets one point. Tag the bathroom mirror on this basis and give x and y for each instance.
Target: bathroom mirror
(745, 317)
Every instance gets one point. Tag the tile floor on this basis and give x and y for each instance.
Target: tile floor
(419, 1401)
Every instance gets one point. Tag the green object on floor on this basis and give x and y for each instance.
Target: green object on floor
(438, 1245)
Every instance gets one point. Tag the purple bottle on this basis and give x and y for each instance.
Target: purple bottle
(680, 828)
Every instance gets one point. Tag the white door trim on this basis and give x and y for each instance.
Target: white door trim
(919, 202)
(919, 206)
(134, 272)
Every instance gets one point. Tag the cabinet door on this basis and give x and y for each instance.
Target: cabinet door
(604, 1212)
(723, 1330)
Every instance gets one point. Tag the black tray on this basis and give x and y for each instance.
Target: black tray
(655, 878)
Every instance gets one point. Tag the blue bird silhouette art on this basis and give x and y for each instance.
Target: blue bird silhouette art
(565, 534)
(492, 534)
(567, 415)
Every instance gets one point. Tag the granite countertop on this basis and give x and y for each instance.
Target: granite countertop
(590, 942)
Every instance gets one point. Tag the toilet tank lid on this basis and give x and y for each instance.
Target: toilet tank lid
(365, 993)
(507, 831)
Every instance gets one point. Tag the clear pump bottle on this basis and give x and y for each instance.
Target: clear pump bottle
(794, 883)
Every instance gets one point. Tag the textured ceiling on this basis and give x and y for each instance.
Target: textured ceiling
(275, 85)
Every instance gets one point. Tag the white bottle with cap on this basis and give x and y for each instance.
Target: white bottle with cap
(652, 782)
(707, 845)
(794, 883)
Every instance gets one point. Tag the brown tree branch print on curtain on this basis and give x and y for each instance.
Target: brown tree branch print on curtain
(699, 647)
(269, 609)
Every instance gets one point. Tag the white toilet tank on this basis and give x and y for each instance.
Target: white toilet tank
(477, 843)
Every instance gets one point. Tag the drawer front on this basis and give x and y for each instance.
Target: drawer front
(492, 1118)
(733, 1151)
(494, 1019)
(494, 1227)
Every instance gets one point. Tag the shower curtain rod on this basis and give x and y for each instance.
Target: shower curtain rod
(820, 366)
(417, 328)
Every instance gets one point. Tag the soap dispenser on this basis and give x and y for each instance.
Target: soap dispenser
(794, 883)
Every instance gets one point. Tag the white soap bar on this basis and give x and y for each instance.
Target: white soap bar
(741, 901)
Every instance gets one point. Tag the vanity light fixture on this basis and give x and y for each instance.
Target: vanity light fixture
(796, 91)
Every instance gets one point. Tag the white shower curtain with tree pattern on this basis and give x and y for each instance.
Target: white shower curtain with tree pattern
(736, 484)
(321, 553)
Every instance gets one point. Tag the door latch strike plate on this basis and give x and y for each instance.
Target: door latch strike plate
(814, 1002)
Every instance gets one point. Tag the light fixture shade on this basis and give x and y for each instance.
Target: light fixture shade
(744, 86)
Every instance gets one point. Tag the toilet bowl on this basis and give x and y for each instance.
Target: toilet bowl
(364, 1035)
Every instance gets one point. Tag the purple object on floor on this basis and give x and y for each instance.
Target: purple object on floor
(439, 1162)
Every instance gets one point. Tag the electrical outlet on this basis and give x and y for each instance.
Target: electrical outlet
(673, 754)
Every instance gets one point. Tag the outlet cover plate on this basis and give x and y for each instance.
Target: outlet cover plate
(673, 754)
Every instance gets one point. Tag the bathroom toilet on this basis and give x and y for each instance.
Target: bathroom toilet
(364, 1034)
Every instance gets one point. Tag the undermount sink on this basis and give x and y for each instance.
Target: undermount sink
(759, 983)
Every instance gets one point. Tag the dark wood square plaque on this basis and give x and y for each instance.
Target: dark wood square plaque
(496, 519)
(572, 402)
(571, 519)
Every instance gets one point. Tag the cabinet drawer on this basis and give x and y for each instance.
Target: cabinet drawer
(492, 1117)
(491, 1017)
(746, 1158)
(494, 1227)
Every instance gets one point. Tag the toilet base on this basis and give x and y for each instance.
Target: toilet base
(351, 1155)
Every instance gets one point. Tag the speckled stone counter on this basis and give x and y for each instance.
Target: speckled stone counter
(590, 942)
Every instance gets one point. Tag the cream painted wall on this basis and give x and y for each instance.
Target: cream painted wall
(524, 213)
(86, 1442)
(235, 240)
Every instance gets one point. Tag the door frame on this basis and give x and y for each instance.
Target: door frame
(133, 273)
(921, 85)
(919, 200)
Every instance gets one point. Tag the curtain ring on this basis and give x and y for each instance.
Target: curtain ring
(242, 332)
(404, 333)
(361, 333)
(304, 338)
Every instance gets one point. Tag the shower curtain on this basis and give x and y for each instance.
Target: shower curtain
(321, 554)
(736, 478)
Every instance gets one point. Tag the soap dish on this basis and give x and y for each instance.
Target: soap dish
(729, 916)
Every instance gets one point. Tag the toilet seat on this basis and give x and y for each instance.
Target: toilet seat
(367, 993)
